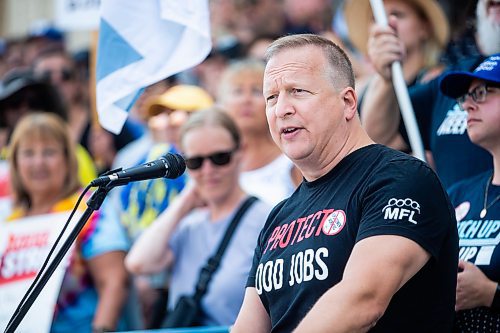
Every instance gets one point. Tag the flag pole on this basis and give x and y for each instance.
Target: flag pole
(92, 78)
(94, 115)
(401, 91)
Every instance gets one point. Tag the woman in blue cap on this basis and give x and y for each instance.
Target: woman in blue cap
(477, 200)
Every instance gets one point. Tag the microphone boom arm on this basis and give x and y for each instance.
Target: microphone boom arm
(93, 204)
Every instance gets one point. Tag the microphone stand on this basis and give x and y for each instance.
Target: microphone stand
(93, 204)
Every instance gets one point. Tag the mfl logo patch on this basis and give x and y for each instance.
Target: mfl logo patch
(401, 209)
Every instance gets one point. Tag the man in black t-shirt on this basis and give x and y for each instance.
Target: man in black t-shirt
(368, 240)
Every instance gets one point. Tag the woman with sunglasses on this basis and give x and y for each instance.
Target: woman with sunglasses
(56, 66)
(477, 200)
(189, 232)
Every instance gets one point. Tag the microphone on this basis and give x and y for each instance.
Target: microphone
(167, 166)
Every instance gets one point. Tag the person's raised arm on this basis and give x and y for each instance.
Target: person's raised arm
(377, 268)
(150, 253)
(379, 111)
(252, 316)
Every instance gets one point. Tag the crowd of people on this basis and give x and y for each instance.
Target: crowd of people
(294, 106)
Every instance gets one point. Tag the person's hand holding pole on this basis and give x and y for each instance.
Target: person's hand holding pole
(401, 90)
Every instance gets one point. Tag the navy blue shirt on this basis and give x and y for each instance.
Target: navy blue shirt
(443, 127)
(479, 240)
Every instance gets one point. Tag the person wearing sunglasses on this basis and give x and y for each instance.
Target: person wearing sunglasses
(140, 203)
(22, 92)
(56, 67)
(477, 200)
(218, 158)
(189, 231)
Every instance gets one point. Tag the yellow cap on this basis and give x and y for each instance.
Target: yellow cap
(181, 97)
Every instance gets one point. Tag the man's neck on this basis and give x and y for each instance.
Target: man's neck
(357, 139)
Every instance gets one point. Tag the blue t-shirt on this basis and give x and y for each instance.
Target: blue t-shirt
(479, 240)
(142, 202)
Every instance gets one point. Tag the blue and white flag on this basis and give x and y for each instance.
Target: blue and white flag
(143, 42)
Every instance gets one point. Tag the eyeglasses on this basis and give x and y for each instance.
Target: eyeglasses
(477, 94)
(219, 159)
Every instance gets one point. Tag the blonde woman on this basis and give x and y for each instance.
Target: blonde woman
(44, 179)
(266, 171)
(189, 231)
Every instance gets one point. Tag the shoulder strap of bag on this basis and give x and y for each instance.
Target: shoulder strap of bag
(213, 262)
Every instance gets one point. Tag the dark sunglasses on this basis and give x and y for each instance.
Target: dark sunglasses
(219, 158)
(65, 73)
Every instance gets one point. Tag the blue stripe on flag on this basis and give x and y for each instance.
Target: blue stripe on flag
(143, 42)
(128, 101)
(118, 52)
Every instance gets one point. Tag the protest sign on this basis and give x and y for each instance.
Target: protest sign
(24, 245)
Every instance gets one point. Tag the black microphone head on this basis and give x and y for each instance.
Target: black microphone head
(176, 165)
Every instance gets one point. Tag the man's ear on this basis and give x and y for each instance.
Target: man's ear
(350, 103)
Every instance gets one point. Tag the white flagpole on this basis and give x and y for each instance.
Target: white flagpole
(401, 91)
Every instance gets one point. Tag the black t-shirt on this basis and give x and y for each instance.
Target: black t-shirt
(306, 242)
(479, 242)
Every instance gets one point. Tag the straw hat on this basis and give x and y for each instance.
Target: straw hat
(181, 97)
(359, 17)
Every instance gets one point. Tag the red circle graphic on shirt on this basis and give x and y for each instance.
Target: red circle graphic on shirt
(334, 223)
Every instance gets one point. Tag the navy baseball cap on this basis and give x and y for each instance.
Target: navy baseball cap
(42, 29)
(456, 84)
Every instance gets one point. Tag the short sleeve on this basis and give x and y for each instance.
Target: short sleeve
(181, 233)
(257, 256)
(176, 240)
(255, 263)
(407, 200)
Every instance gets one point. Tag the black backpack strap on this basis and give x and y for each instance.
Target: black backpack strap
(213, 262)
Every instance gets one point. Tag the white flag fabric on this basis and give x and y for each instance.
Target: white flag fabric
(143, 42)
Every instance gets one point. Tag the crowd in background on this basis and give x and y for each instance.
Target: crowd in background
(39, 75)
